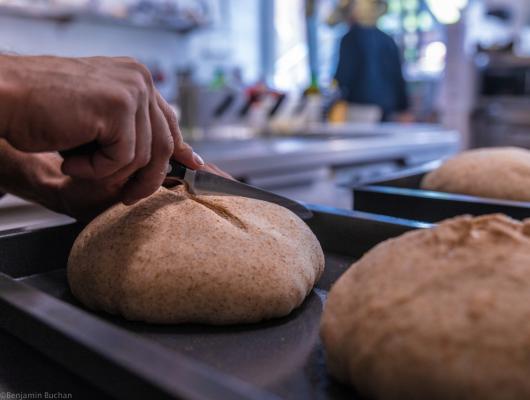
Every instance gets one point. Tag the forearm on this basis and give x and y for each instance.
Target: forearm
(34, 177)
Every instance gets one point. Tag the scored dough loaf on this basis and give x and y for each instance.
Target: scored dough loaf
(178, 258)
(499, 173)
(442, 313)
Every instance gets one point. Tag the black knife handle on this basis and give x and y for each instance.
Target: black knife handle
(176, 173)
(176, 170)
(84, 150)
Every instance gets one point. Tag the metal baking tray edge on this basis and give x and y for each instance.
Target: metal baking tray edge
(113, 358)
(399, 195)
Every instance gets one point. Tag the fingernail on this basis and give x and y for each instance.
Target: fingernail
(198, 159)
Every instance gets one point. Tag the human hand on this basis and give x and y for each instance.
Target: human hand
(54, 104)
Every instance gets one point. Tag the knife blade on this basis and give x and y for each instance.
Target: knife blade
(205, 183)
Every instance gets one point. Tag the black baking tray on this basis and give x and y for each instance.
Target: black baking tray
(399, 195)
(281, 358)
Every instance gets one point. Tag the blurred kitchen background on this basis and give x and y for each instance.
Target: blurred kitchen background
(256, 87)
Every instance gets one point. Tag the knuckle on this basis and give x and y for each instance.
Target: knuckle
(123, 101)
(146, 74)
(143, 87)
(171, 116)
(137, 86)
(143, 159)
(183, 148)
(137, 77)
(142, 72)
(128, 155)
(178, 142)
(166, 147)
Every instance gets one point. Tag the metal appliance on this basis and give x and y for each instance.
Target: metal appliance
(502, 114)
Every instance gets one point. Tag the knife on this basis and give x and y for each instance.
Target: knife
(205, 183)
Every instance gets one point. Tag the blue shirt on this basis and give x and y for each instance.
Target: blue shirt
(369, 70)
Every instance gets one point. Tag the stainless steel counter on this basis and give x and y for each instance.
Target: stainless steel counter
(326, 145)
(309, 166)
(16, 213)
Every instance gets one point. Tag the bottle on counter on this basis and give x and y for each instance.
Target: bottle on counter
(313, 110)
(336, 108)
(219, 81)
(314, 87)
(187, 102)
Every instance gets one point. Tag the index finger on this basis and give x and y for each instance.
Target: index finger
(182, 152)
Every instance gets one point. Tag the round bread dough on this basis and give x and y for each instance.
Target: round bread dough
(436, 314)
(177, 258)
(499, 173)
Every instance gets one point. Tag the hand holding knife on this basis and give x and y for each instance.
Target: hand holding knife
(200, 182)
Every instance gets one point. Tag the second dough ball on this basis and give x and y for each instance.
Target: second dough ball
(436, 314)
(499, 173)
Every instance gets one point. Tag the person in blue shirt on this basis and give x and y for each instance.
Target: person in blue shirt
(369, 68)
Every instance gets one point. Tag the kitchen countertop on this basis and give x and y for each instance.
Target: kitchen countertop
(16, 213)
(326, 145)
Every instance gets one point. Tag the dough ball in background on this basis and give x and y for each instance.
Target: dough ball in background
(177, 258)
(442, 313)
(499, 173)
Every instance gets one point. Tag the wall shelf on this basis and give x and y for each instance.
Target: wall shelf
(67, 15)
